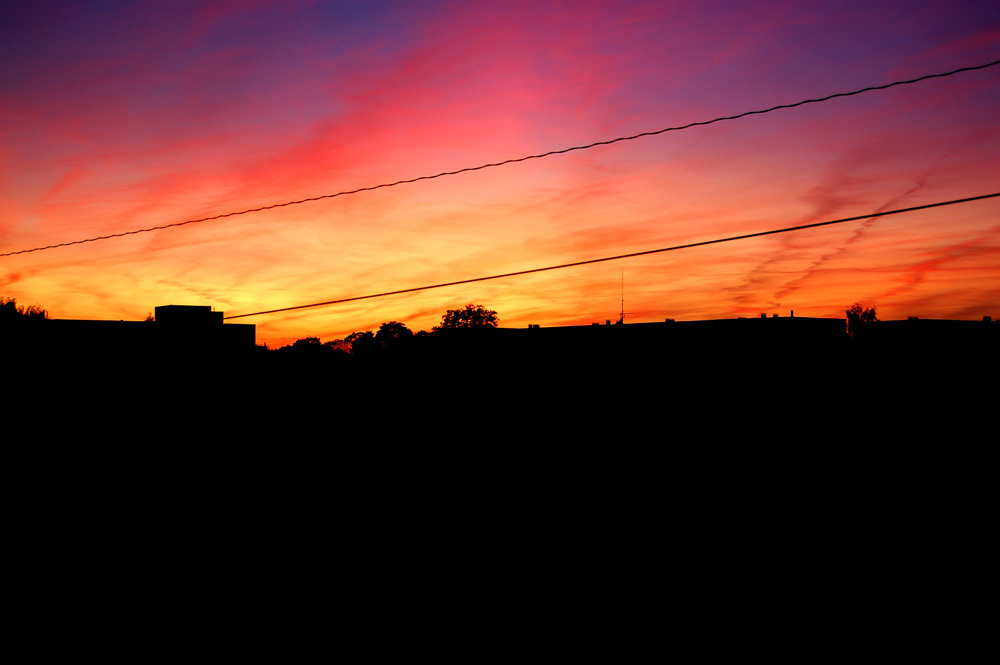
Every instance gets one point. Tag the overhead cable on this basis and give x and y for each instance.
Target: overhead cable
(620, 256)
(506, 161)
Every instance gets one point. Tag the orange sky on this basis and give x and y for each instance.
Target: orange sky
(119, 116)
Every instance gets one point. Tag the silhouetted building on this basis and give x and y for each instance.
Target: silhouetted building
(187, 316)
(177, 329)
(681, 338)
(953, 341)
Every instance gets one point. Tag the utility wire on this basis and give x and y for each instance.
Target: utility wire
(506, 161)
(622, 256)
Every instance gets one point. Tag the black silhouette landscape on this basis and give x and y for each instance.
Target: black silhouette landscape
(570, 379)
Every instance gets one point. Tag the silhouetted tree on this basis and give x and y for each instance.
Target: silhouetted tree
(306, 345)
(338, 345)
(470, 316)
(362, 343)
(859, 318)
(9, 311)
(392, 334)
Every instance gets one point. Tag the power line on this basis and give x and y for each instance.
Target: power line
(506, 161)
(622, 256)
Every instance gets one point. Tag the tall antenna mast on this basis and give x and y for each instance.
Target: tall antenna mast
(621, 317)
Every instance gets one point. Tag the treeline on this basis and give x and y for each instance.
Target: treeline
(393, 336)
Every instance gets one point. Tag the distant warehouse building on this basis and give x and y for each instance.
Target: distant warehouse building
(176, 329)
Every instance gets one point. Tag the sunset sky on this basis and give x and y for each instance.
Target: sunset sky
(116, 116)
